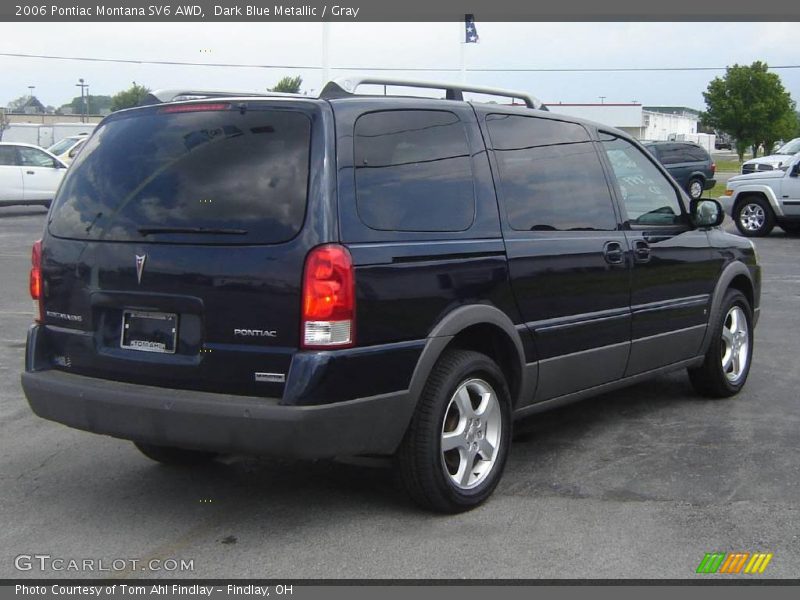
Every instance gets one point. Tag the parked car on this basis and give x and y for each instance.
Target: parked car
(778, 160)
(759, 201)
(372, 275)
(67, 149)
(688, 163)
(723, 141)
(28, 174)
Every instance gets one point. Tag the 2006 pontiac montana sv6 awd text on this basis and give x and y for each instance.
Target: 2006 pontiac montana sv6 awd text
(371, 275)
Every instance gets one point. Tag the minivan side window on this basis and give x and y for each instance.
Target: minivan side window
(550, 174)
(648, 197)
(672, 154)
(413, 171)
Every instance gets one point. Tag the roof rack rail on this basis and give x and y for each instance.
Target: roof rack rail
(346, 86)
(161, 96)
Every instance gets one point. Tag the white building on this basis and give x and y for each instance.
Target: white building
(669, 122)
(642, 122)
(627, 117)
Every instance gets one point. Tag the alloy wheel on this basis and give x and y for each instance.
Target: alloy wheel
(735, 344)
(471, 434)
(752, 217)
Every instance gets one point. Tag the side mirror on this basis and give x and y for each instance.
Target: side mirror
(707, 212)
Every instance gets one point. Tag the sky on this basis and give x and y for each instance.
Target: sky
(376, 46)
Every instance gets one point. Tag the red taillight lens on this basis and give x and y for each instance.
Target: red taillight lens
(35, 280)
(184, 108)
(713, 168)
(329, 302)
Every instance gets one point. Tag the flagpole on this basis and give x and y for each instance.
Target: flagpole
(325, 63)
(463, 42)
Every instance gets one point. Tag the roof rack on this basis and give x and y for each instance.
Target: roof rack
(161, 96)
(346, 86)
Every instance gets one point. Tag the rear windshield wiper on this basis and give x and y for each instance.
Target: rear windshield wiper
(200, 230)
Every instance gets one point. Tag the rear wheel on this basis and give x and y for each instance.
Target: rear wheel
(455, 449)
(695, 188)
(174, 456)
(754, 217)
(727, 362)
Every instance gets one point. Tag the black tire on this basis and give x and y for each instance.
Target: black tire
(422, 465)
(710, 379)
(168, 455)
(698, 183)
(744, 208)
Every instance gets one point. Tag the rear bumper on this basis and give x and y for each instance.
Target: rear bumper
(710, 183)
(219, 422)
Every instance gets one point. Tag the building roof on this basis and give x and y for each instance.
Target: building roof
(672, 110)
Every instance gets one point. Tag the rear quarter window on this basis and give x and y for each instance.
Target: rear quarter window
(413, 171)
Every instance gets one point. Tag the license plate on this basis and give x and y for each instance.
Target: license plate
(149, 331)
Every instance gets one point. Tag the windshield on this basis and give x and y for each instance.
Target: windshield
(792, 147)
(62, 146)
(185, 176)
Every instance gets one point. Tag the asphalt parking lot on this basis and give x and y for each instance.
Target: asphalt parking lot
(640, 483)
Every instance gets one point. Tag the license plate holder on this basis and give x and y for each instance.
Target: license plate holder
(149, 331)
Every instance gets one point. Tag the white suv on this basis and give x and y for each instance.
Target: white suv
(782, 156)
(758, 201)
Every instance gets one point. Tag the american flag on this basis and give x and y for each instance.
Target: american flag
(470, 31)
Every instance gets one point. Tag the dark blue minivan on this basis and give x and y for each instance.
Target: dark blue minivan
(371, 275)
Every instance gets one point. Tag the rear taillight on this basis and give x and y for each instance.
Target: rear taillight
(35, 281)
(713, 168)
(329, 302)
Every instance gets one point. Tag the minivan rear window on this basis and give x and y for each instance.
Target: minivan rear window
(230, 176)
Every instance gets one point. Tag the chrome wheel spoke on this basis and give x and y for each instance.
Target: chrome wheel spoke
(487, 406)
(453, 440)
(727, 336)
(485, 449)
(735, 344)
(464, 403)
(465, 468)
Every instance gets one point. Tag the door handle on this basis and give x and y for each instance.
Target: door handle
(641, 251)
(613, 253)
(31, 172)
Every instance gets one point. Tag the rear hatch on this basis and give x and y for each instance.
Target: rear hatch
(175, 247)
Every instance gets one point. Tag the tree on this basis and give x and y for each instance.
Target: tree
(288, 84)
(17, 104)
(750, 104)
(94, 105)
(129, 98)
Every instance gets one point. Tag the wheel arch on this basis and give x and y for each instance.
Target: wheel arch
(734, 276)
(480, 327)
(763, 192)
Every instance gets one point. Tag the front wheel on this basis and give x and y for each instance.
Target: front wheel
(695, 188)
(754, 217)
(727, 362)
(455, 449)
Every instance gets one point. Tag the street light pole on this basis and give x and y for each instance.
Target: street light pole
(83, 86)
